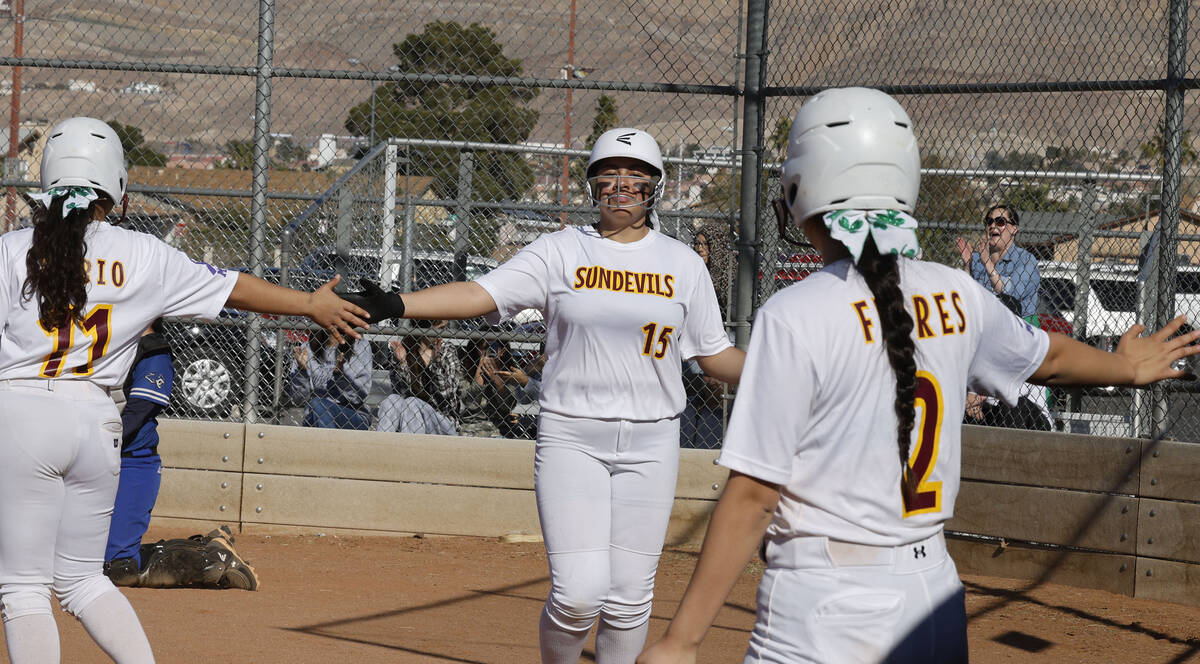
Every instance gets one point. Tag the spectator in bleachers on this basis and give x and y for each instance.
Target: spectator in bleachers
(703, 420)
(525, 377)
(999, 264)
(424, 379)
(333, 381)
(486, 398)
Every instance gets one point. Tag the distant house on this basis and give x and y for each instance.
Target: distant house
(518, 228)
(194, 161)
(80, 85)
(141, 88)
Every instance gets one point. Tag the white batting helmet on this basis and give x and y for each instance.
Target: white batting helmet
(632, 143)
(84, 152)
(850, 149)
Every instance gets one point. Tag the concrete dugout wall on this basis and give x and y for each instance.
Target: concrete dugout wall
(1121, 515)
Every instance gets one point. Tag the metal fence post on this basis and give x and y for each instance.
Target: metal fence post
(387, 256)
(343, 233)
(1083, 267)
(406, 236)
(258, 201)
(1168, 214)
(462, 213)
(752, 146)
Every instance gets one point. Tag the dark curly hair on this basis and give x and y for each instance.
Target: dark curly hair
(57, 270)
(882, 274)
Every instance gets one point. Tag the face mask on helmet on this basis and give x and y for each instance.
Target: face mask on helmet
(625, 170)
(615, 190)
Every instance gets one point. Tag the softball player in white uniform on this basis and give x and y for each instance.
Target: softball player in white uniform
(844, 444)
(623, 306)
(75, 295)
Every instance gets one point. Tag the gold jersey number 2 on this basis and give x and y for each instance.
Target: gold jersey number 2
(928, 496)
(97, 325)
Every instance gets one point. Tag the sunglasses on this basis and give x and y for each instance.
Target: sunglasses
(997, 221)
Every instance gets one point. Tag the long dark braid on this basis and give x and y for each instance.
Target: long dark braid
(882, 274)
(57, 275)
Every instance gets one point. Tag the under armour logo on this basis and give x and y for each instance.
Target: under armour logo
(627, 139)
(918, 551)
(222, 556)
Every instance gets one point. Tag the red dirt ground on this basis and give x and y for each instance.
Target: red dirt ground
(442, 599)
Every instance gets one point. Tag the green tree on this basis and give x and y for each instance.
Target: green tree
(722, 194)
(1155, 148)
(604, 119)
(1036, 198)
(137, 153)
(455, 111)
(945, 199)
(287, 152)
(1014, 161)
(239, 155)
(779, 137)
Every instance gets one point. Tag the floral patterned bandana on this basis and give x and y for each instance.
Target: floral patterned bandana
(895, 232)
(78, 198)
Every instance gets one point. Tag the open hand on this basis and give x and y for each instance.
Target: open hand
(515, 374)
(300, 352)
(334, 314)
(1151, 356)
(398, 350)
(964, 249)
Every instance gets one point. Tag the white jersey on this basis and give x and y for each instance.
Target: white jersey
(815, 409)
(620, 319)
(133, 278)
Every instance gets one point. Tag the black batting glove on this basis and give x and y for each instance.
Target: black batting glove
(380, 304)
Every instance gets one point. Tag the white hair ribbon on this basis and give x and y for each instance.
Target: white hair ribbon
(895, 232)
(78, 198)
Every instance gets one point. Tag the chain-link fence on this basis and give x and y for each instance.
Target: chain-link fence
(417, 143)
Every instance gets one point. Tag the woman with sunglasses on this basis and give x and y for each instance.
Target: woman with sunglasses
(843, 447)
(999, 265)
(624, 305)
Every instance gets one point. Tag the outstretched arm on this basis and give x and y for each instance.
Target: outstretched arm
(1138, 360)
(735, 533)
(455, 301)
(322, 306)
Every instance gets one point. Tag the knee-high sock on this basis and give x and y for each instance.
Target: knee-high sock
(559, 646)
(620, 646)
(32, 639)
(113, 625)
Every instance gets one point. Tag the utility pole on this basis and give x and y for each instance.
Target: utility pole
(14, 120)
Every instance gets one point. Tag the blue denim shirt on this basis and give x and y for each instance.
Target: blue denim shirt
(1018, 271)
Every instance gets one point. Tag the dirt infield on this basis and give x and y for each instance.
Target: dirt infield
(392, 599)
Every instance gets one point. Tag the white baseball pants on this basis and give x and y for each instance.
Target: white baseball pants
(60, 457)
(604, 493)
(824, 601)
